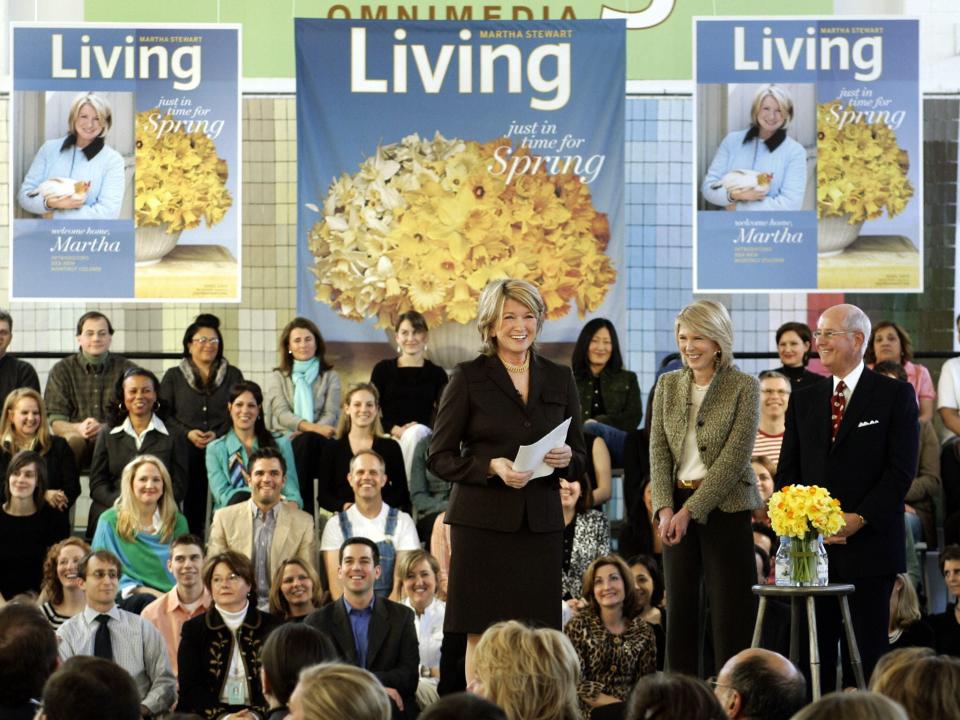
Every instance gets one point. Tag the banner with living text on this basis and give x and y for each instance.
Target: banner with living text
(434, 157)
(125, 169)
(807, 156)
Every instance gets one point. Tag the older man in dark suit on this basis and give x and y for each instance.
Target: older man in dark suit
(855, 434)
(370, 632)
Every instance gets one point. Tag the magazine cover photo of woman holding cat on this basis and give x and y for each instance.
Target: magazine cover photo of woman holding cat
(761, 167)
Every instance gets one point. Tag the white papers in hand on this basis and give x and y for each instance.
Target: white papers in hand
(530, 457)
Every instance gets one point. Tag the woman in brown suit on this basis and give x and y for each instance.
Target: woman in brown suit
(705, 418)
(505, 524)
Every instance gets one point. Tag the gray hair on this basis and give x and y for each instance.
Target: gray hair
(856, 320)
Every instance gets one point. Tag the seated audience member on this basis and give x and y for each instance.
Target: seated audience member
(139, 529)
(288, 650)
(463, 706)
(946, 625)
(648, 580)
(296, 591)
(907, 628)
(586, 536)
(609, 395)
(672, 696)
(193, 402)
(615, 645)
(530, 673)
(80, 388)
(948, 404)
(794, 340)
(24, 427)
(758, 684)
(600, 467)
(925, 490)
(90, 688)
(266, 529)
(370, 517)
(429, 493)
(186, 600)
(28, 656)
(106, 631)
(765, 538)
(227, 456)
(762, 558)
(889, 341)
(924, 683)
(410, 386)
(14, 372)
(28, 525)
(372, 632)
(417, 574)
(774, 397)
(334, 691)
(134, 429)
(764, 470)
(862, 705)
(61, 595)
(359, 429)
(219, 653)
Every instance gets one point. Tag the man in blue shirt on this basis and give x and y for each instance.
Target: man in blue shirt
(370, 632)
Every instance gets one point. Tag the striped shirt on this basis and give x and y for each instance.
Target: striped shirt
(768, 446)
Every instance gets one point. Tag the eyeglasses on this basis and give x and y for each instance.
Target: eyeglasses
(712, 682)
(204, 340)
(101, 574)
(771, 391)
(829, 334)
(230, 579)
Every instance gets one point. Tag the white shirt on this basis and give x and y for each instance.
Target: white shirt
(429, 632)
(404, 536)
(850, 380)
(127, 427)
(948, 389)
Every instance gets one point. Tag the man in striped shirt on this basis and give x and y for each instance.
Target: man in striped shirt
(774, 397)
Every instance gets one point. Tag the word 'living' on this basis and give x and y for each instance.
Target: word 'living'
(184, 61)
(433, 75)
(816, 55)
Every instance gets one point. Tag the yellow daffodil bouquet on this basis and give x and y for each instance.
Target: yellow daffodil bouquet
(860, 168)
(424, 225)
(801, 511)
(179, 179)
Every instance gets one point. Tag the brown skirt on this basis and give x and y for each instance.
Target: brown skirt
(498, 576)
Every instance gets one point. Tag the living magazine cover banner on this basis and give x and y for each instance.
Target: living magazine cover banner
(125, 170)
(434, 157)
(807, 156)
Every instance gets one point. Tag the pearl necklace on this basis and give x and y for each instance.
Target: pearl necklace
(517, 369)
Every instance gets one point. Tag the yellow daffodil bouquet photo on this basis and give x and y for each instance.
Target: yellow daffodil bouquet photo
(425, 224)
(180, 180)
(861, 171)
(802, 515)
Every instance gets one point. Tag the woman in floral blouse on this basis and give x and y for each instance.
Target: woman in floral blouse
(616, 646)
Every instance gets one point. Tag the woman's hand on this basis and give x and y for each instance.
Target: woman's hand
(201, 439)
(748, 194)
(601, 699)
(56, 498)
(576, 605)
(559, 457)
(65, 202)
(504, 469)
(397, 431)
(672, 532)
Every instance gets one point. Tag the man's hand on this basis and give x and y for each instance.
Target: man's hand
(87, 428)
(395, 696)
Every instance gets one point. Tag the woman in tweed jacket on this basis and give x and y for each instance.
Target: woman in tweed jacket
(705, 417)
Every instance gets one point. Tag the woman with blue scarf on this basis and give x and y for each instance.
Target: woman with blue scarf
(303, 397)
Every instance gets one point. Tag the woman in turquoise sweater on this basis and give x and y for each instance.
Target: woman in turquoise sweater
(227, 456)
(139, 528)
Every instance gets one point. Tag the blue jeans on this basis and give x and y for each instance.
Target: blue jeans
(615, 438)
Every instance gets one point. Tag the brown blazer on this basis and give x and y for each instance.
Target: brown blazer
(481, 417)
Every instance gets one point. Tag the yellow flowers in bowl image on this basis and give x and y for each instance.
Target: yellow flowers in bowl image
(800, 510)
(180, 181)
(425, 224)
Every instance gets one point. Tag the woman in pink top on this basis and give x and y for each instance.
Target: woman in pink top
(889, 341)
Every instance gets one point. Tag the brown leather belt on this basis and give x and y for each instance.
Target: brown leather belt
(689, 484)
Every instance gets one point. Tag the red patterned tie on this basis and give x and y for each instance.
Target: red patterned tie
(838, 403)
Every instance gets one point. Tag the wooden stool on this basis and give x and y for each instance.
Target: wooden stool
(796, 595)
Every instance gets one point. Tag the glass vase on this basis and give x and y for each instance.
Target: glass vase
(802, 561)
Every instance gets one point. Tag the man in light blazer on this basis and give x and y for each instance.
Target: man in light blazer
(265, 528)
(372, 632)
(867, 463)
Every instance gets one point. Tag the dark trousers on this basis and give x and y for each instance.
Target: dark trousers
(195, 500)
(721, 552)
(870, 613)
(308, 450)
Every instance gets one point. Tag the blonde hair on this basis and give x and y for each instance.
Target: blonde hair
(710, 319)
(100, 106)
(783, 100)
(908, 605)
(42, 442)
(863, 705)
(531, 673)
(336, 691)
(343, 424)
(128, 514)
(278, 603)
(408, 561)
(925, 684)
(490, 307)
